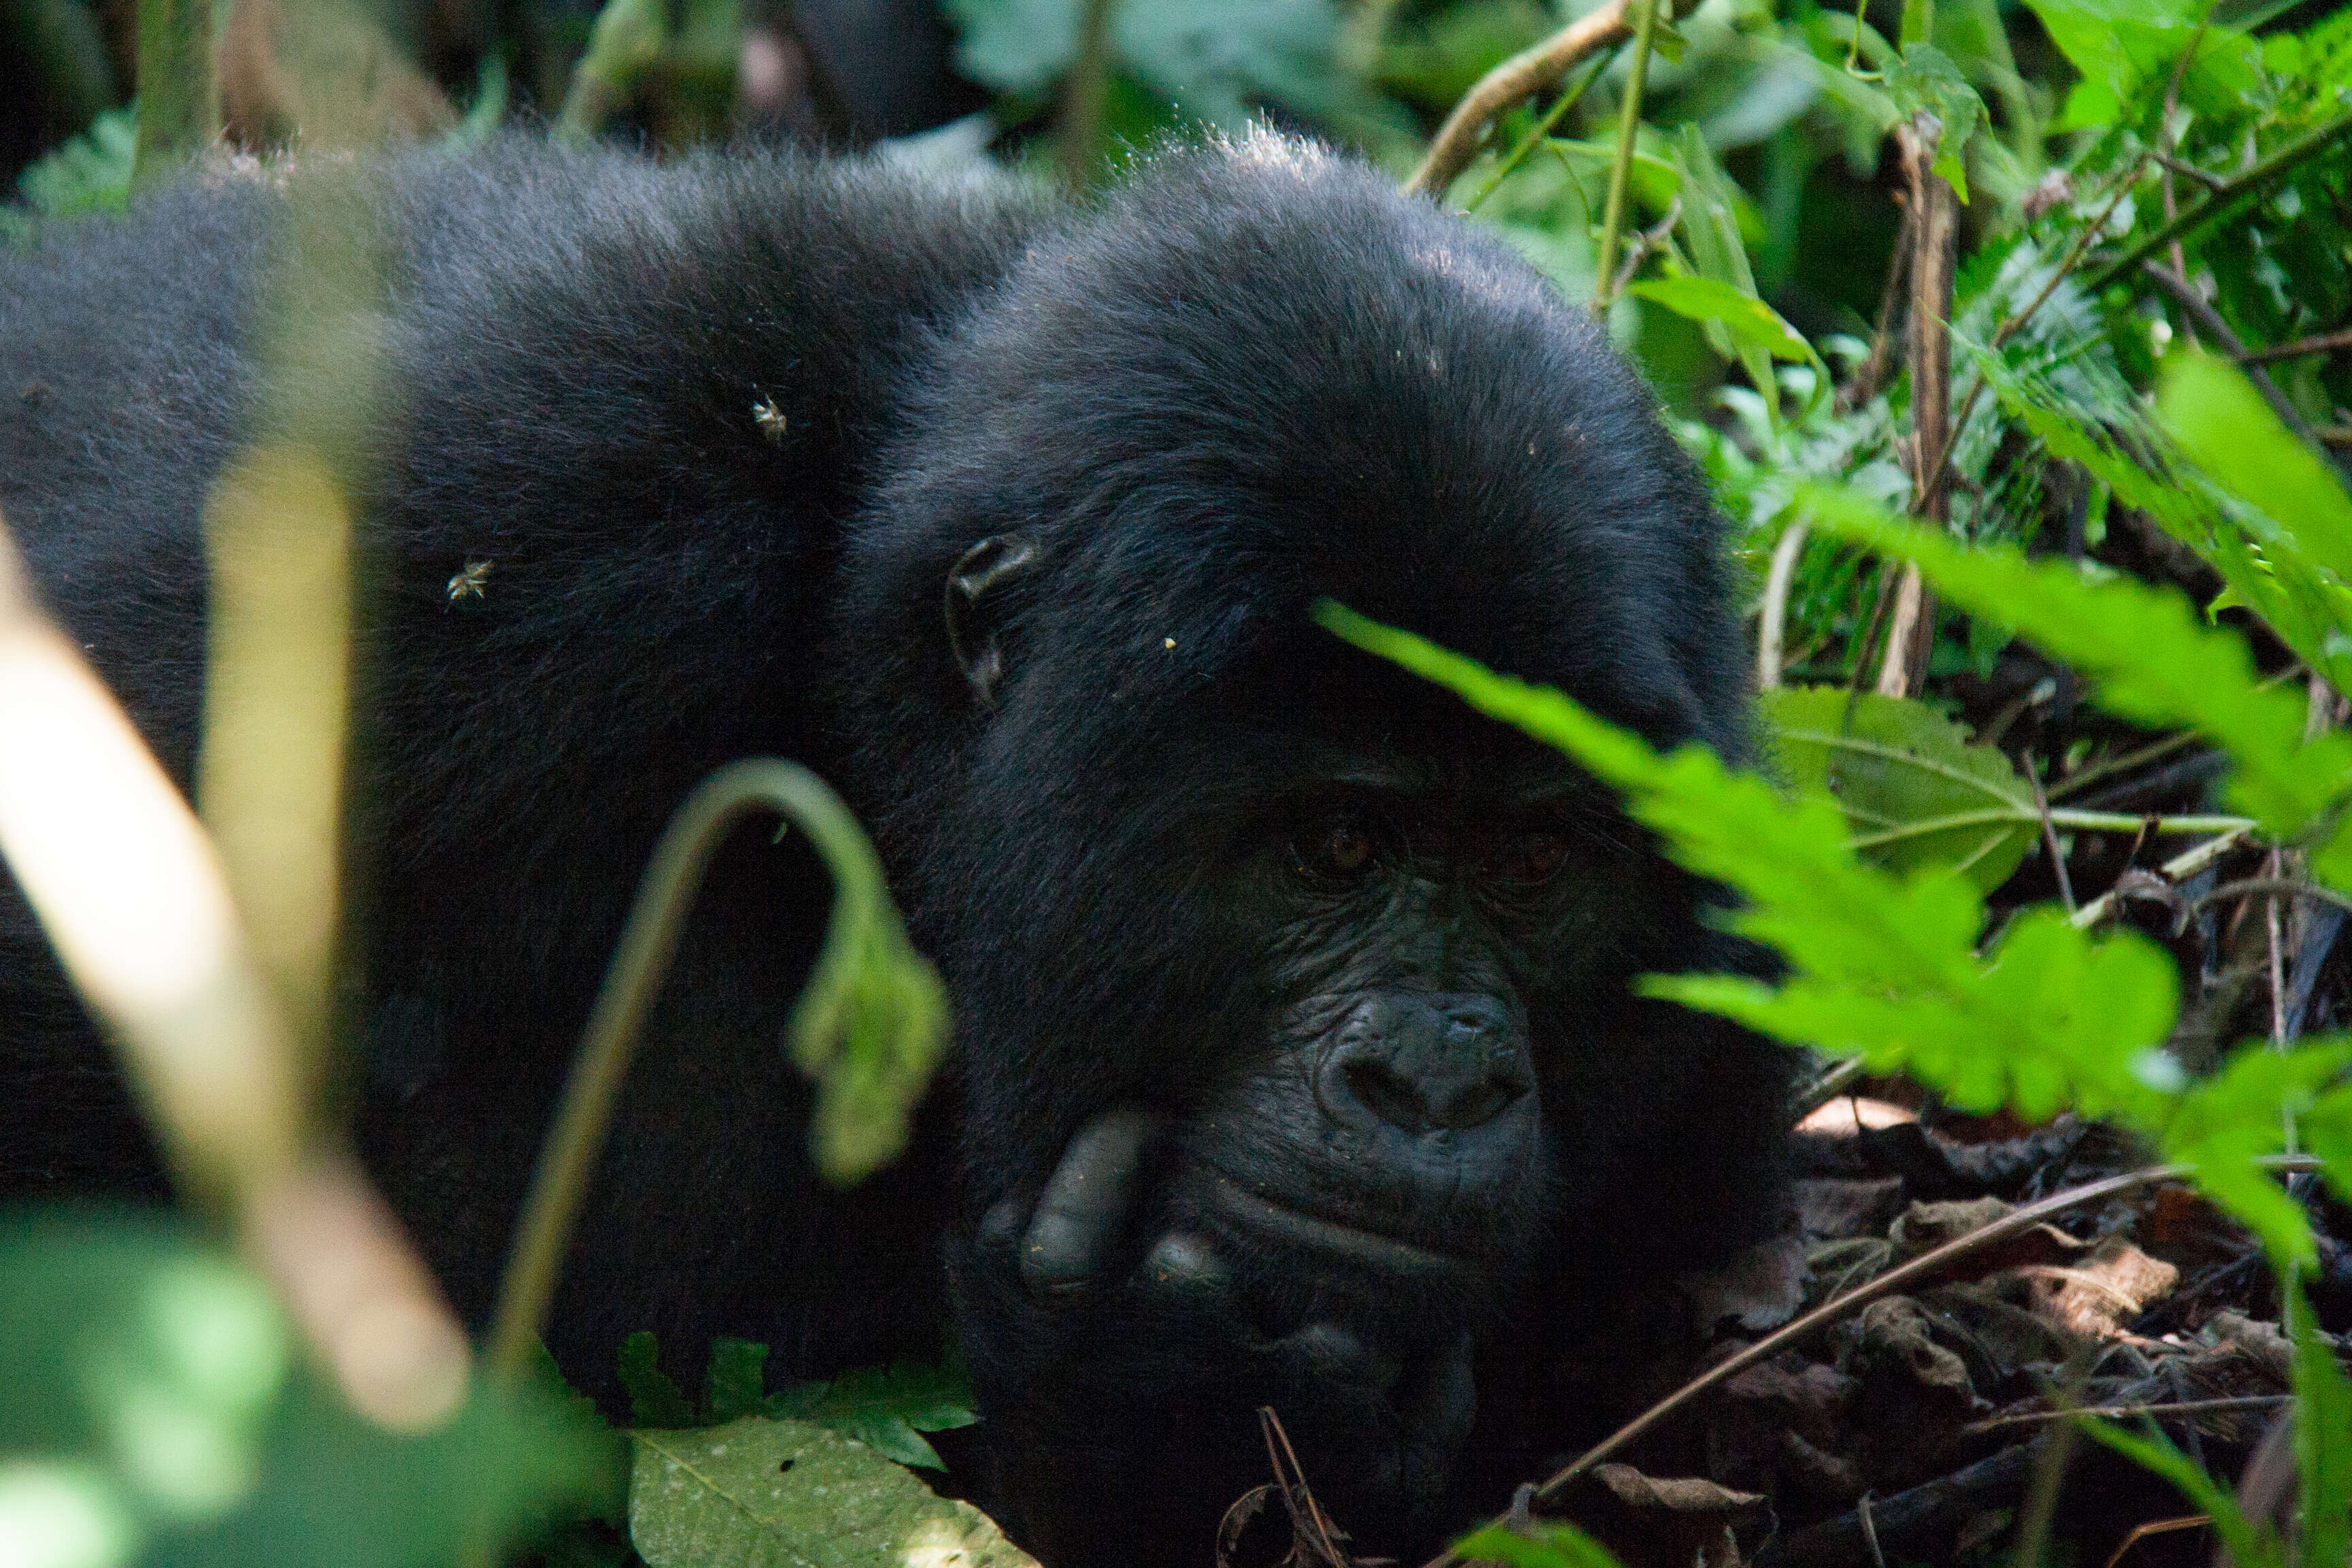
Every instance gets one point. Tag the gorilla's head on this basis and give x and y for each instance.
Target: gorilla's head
(1296, 1041)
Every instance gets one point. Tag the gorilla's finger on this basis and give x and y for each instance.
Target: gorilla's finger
(1326, 1352)
(1000, 1228)
(1085, 1203)
(1182, 1263)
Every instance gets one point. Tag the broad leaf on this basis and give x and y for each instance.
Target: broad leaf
(1898, 768)
(758, 1493)
(2151, 658)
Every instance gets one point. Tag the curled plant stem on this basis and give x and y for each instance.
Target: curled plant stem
(647, 943)
(1620, 172)
(1529, 71)
(1644, 242)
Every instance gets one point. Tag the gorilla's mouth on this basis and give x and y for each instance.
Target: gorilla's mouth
(1374, 1251)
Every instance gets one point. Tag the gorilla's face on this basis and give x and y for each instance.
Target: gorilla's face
(1299, 1064)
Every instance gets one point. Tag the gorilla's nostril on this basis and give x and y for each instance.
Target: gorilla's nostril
(1422, 1063)
(1419, 1107)
(1387, 1095)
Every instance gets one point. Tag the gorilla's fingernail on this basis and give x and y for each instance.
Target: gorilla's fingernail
(1444, 1400)
(1182, 1261)
(1084, 1206)
(1000, 1228)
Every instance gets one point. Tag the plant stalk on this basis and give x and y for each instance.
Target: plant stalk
(1620, 172)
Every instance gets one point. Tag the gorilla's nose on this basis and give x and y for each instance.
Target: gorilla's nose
(1421, 1061)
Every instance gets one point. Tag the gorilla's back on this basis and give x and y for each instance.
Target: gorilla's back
(627, 405)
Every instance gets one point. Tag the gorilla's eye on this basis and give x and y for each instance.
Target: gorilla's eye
(1529, 858)
(1333, 852)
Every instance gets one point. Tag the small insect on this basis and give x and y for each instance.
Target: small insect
(769, 418)
(1170, 644)
(467, 585)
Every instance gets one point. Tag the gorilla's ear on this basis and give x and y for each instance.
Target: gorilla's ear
(971, 631)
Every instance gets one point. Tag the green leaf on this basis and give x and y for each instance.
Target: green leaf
(1897, 767)
(2323, 1435)
(2234, 1116)
(758, 1493)
(2265, 566)
(2152, 660)
(871, 1022)
(1749, 320)
(91, 173)
(1712, 229)
(654, 1399)
(736, 1381)
(2250, 1545)
(1925, 79)
(151, 1399)
(1543, 1546)
(1884, 968)
(2219, 419)
(886, 1409)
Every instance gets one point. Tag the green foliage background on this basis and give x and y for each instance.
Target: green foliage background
(2128, 509)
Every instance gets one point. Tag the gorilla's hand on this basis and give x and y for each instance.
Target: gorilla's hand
(1101, 1294)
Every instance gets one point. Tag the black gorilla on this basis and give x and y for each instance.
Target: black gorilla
(1296, 1062)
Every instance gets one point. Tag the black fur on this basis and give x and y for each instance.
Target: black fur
(1253, 377)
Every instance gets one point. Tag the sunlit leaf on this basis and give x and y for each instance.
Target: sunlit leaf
(758, 1493)
(1897, 766)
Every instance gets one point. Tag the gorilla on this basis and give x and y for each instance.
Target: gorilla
(1296, 1062)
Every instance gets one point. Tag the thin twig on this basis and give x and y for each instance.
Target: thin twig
(2163, 154)
(1775, 614)
(1894, 1281)
(2205, 177)
(2254, 182)
(1529, 71)
(2050, 836)
(1880, 359)
(2127, 1412)
(1620, 170)
(2273, 887)
(2324, 343)
(1536, 133)
(2196, 305)
(1644, 242)
(1869, 1531)
(2181, 868)
(1813, 1096)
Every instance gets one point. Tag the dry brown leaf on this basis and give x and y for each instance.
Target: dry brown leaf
(2109, 1287)
(1846, 1115)
(1833, 1209)
(1924, 1226)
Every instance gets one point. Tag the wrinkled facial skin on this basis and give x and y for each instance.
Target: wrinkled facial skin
(1324, 1193)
